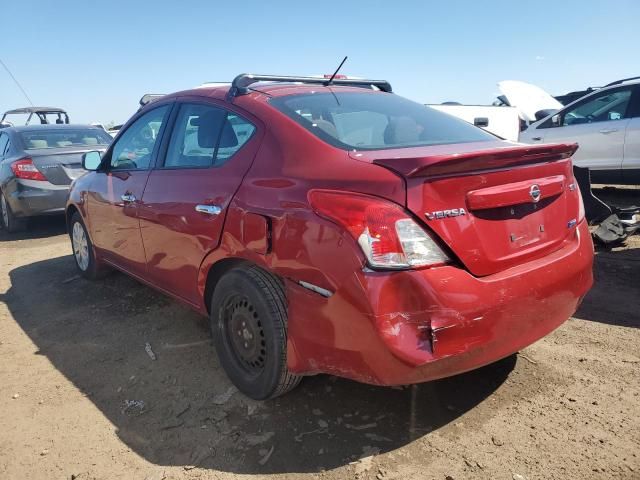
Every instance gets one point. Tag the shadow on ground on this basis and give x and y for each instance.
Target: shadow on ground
(614, 298)
(616, 275)
(620, 196)
(37, 227)
(171, 411)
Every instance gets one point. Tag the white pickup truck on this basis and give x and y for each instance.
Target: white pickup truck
(519, 105)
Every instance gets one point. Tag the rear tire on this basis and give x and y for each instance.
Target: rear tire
(249, 329)
(83, 252)
(9, 221)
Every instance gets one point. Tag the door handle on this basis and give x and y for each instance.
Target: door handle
(128, 198)
(536, 139)
(209, 209)
(608, 130)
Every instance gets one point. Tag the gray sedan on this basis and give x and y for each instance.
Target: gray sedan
(37, 165)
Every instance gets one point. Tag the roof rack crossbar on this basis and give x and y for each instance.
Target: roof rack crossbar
(241, 84)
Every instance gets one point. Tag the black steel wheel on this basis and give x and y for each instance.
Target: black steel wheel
(243, 330)
(249, 328)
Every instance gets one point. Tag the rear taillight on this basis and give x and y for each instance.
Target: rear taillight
(25, 169)
(387, 235)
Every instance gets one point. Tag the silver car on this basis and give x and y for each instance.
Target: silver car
(606, 125)
(37, 165)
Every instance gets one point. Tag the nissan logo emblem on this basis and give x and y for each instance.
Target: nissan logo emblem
(535, 193)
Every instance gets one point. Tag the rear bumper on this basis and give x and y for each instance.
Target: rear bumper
(30, 197)
(414, 326)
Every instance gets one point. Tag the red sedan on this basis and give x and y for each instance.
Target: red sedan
(334, 227)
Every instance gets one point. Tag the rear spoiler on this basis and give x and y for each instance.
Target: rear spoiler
(472, 162)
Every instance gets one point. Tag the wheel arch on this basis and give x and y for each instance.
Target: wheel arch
(216, 272)
(69, 212)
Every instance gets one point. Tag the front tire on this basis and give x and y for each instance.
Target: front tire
(82, 248)
(9, 221)
(249, 328)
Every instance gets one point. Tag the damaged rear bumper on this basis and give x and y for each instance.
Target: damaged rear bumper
(412, 326)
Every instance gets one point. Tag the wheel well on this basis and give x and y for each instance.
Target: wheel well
(69, 213)
(215, 274)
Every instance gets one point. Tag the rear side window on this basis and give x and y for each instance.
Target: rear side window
(375, 121)
(205, 136)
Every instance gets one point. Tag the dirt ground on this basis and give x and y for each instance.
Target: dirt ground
(81, 398)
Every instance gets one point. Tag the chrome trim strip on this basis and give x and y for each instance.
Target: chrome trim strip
(314, 288)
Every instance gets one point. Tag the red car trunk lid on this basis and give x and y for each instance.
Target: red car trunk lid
(495, 204)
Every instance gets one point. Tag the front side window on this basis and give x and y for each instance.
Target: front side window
(374, 121)
(134, 148)
(600, 108)
(205, 136)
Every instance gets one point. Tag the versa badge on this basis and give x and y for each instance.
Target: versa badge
(437, 215)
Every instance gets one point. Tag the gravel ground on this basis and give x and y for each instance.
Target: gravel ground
(81, 398)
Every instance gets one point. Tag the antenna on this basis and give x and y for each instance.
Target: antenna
(18, 83)
(336, 72)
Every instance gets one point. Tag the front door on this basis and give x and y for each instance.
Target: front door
(186, 197)
(117, 190)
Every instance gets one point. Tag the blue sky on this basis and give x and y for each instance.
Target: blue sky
(96, 59)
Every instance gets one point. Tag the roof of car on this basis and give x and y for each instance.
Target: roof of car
(36, 110)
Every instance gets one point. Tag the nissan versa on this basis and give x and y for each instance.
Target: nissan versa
(334, 227)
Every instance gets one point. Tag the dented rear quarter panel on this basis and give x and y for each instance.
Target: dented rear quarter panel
(376, 327)
(382, 327)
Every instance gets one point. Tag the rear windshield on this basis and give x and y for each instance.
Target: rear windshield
(80, 137)
(374, 121)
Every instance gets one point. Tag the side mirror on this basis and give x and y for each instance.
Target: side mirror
(555, 120)
(544, 113)
(91, 160)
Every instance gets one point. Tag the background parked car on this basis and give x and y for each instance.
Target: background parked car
(606, 125)
(37, 165)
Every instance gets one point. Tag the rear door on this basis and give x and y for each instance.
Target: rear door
(186, 197)
(116, 191)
